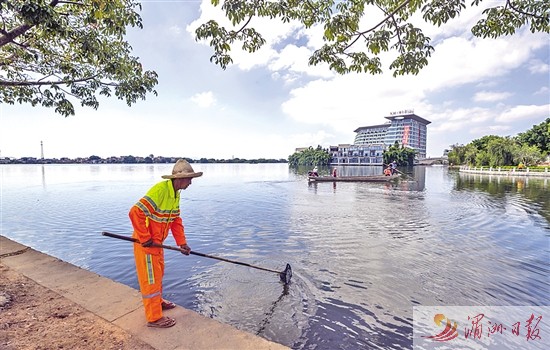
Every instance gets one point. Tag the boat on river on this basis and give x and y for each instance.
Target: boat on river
(369, 178)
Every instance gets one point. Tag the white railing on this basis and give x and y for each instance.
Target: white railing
(499, 171)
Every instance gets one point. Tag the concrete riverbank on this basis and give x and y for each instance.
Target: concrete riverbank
(119, 305)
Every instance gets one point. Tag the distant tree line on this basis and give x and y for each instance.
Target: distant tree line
(241, 160)
(151, 159)
(526, 149)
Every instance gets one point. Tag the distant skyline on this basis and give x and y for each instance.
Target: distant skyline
(130, 159)
(269, 103)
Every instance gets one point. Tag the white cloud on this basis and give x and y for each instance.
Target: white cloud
(458, 26)
(545, 90)
(321, 137)
(347, 102)
(174, 30)
(342, 103)
(538, 67)
(204, 99)
(273, 31)
(458, 61)
(489, 96)
(526, 113)
(489, 129)
(295, 59)
(459, 119)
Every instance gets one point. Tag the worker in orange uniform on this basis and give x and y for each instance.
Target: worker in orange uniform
(152, 216)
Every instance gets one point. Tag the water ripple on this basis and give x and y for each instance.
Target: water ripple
(363, 254)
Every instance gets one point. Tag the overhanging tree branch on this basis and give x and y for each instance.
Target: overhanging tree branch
(41, 83)
(510, 3)
(341, 32)
(50, 53)
(10, 36)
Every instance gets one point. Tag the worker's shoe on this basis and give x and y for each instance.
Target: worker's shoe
(163, 322)
(167, 305)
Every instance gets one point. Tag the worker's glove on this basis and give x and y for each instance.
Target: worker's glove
(147, 243)
(185, 249)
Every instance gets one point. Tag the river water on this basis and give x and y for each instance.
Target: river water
(363, 254)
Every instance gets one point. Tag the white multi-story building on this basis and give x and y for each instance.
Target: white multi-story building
(408, 130)
(368, 135)
(405, 127)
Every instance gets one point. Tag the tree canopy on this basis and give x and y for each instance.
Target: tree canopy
(400, 154)
(310, 156)
(350, 48)
(538, 135)
(58, 52)
(53, 53)
(527, 148)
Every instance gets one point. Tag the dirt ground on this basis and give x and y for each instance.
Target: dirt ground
(34, 317)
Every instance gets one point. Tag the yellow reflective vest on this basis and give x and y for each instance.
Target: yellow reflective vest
(157, 212)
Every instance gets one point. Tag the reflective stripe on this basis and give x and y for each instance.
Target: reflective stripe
(150, 212)
(152, 203)
(161, 203)
(149, 296)
(150, 273)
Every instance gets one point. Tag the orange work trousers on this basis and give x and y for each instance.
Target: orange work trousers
(150, 271)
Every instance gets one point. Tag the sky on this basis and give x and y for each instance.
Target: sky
(267, 104)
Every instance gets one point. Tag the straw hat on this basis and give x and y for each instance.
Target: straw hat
(182, 169)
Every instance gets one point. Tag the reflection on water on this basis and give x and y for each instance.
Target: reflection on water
(363, 254)
(534, 191)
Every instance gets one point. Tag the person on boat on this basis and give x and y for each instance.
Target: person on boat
(387, 171)
(334, 172)
(393, 167)
(152, 216)
(314, 172)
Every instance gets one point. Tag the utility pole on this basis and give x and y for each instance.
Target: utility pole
(42, 149)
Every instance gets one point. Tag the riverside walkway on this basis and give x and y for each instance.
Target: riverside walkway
(503, 172)
(121, 305)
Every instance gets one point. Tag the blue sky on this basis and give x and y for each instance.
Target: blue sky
(269, 103)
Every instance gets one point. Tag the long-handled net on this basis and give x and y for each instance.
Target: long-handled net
(285, 275)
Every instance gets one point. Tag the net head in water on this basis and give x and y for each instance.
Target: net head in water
(286, 275)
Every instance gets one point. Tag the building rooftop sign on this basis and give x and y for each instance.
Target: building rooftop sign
(408, 116)
(403, 112)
